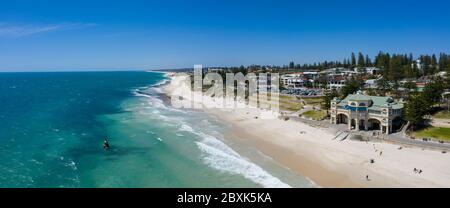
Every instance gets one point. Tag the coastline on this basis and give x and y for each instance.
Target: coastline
(327, 162)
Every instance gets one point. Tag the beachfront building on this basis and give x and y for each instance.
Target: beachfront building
(363, 112)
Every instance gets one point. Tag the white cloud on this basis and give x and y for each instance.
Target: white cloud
(21, 30)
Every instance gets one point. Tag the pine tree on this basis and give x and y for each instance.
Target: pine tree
(416, 108)
(448, 66)
(433, 91)
(361, 62)
(351, 87)
(443, 59)
(409, 72)
(395, 68)
(410, 86)
(368, 61)
(384, 85)
(346, 63)
(382, 60)
(411, 58)
(434, 64)
(353, 64)
(433, 60)
(329, 96)
(291, 65)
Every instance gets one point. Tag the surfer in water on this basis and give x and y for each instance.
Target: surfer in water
(106, 144)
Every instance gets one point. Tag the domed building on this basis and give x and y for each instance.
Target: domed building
(363, 112)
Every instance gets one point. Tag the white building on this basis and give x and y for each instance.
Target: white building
(336, 82)
(442, 74)
(213, 70)
(371, 84)
(310, 75)
(362, 112)
(372, 70)
(418, 64)
(293, 81)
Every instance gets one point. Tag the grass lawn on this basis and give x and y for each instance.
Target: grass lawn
(442, 115)
(286, 103)
(313, 101)
(315, 114)
(290, 106)
(434, 132)
(290, 103)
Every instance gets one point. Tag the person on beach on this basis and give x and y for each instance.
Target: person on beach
(367, 178)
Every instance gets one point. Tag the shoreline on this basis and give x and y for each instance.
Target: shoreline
(311, 152)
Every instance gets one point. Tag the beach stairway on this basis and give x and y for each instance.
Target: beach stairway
(339, 133)
(345, 136)
(341, 136)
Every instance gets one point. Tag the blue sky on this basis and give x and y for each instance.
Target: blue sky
(113, 35)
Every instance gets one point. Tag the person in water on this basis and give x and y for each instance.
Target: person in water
(106, 144)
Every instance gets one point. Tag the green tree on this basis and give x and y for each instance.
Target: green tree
(382, 60)
(351, 87)
(329, 96)
(371, 92)
(410, 71)
(368, 61)
(384, 85)
(291, 65)
(433, 91)
(353, 59)
(411, 86)
(448, 66)
(416, 108)
(361, 61)
(443, 59)
(395, 68)
(434, 63)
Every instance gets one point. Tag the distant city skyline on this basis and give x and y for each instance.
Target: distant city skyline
(143, 35)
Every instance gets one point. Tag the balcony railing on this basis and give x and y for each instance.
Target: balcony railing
(375, 112)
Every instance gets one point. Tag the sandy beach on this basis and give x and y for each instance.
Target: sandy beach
(313, 153)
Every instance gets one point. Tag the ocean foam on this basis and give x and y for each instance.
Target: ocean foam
(221, 157)
(187, 128)
(237, 165)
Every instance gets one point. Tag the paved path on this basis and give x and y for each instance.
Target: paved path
(445, 123)
(398, 138)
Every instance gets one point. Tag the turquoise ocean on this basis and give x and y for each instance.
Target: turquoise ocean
(52, 126)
